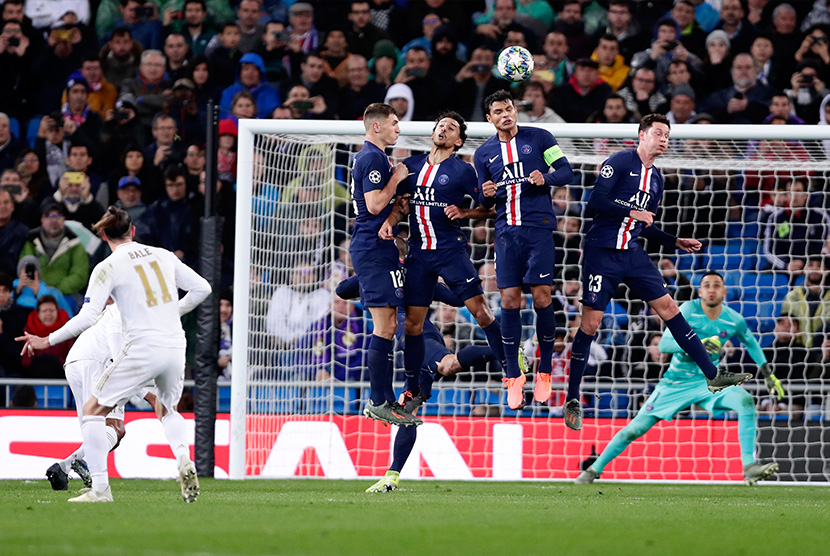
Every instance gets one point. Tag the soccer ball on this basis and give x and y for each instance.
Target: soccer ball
(515, 63)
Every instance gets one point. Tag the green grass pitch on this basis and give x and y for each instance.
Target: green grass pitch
(319, 517)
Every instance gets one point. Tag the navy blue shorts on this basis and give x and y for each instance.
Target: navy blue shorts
(381, 276)
(423, 267)
(434, 348)
(524, 256)
(603, 269)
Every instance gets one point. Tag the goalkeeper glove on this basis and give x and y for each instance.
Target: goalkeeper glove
(773, 384)
(712, 345)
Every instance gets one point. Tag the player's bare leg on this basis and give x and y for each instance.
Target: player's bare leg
(716, 378)
(511, 332)
(546, 334)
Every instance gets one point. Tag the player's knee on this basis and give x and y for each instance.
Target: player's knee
(541, 296)
(746, 403)
(511, 298)
(118, 426)
(413, 325)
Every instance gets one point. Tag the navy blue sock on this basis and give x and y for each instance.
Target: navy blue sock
(377, 361)
(688, 340)
(546, 333)
(404, 442)
(493, 333)
(427, 378)
(511, 333)
(473, 355)
(413, 358)
(389, 387)
(580, 349)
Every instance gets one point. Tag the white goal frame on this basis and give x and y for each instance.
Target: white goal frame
(245, 148)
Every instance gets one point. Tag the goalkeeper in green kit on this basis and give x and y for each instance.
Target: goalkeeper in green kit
(684, 384)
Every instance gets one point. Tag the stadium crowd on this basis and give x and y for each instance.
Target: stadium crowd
(104, 102)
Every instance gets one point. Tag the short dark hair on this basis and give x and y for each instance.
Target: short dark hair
(650, 119)
(499, 96)
(200, 2)
(90, 57)
(609, 37)
(174, 172)
(713, 273)
(377, 112)
(121, 31)
(24, 394)
(10, 2)
(44, 299)
(6, 279)
(462, 125)
(115, 223)
(228, 24)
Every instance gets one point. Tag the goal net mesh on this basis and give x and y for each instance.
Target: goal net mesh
(758, 207)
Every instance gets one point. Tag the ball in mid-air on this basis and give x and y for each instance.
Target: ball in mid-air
(515, 63)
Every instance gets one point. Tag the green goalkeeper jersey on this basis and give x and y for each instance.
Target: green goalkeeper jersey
(730, 323)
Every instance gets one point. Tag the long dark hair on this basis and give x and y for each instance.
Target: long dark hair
(115, 223)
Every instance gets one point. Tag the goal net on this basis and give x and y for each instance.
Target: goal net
(754, 195)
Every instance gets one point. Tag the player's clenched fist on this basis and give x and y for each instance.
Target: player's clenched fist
(536, 178)
(488, 188)
(385, 231)
(643, 216)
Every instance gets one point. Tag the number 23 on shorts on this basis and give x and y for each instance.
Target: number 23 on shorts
(594, 283)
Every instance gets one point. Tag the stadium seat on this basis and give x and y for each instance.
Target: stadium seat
(613, 400)
(223, 399)
(14, 127)
(52, 397)
(450, 402)
(322, 399)
(31, 130)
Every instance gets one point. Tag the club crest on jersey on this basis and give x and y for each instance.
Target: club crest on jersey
(607, 171)
(443, 179)
(527, 149)
(374, 176)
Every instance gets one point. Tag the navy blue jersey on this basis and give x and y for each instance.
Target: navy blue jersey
(371, 171)
(508, 165)
(624, 184)
(432, 189)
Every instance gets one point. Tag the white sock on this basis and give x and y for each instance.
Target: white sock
(175, 429)
(93, 429)
(112, 439)
(66, 464)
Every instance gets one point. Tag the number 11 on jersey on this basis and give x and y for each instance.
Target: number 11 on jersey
(152, 301)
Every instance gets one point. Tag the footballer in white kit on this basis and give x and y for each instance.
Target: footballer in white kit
(144, 282)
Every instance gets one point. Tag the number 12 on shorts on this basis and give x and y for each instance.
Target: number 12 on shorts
(594, 283)
(152, 301)
(397, 278)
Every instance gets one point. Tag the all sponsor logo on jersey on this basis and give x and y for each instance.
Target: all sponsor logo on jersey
(640, 200)
(374, 176)
(607, 171)
(443, 179)
(527, 149)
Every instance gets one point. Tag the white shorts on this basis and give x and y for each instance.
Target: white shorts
(135, 367)
(81, 376)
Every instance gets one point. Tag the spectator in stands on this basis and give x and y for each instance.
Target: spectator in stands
(385, 62)
(132, 163)
(166, 150)
(655, 362)
(223, 55)
(144, 27)
(613, 112)
(816, 48)
(570, 23)
(223, 360)
(102, 94)
(532, 107)
(251, 73)
(584, 93)
(554, 68)
(567, 240)
(796, 231)
(121, 130)
(63, 261)
(682, 105)
(57, 60)
(9, 144)
(194, 163)
(692, 35)
(679, 285)
(177, 53)
(313, 77)
(305, 38)
(678, 73)
(305, 106)
(363, 34)
(819, 15)
(200, 74)
(12, 10)
(129, 197)
(473, 83)
(733, 20)
(399, 97)
(80, 160)
(29, 287)
(26, 209)
(12, 321)
(46, 363)
(181, 105)
(243, 105)
(353, 98)
(717, 65)
(341, 333)
(786, 40)
(226, 153)
(75, 196)
(762, 53)
(52, 145)
(295, 307)
(425, 89)
(663, 50)
(120, 57)
(192, 24)
(12, 233)
(77, 111)
(746, 101)
(641, 95)
(446, 61)
(626, 29)
(806, 91)
(809, 303)
(250, 28)
(172, 221)
(536, 15)
(34, 181)
(781, 107)
(336, 56)
(612, 67)
(148, 87)
(16, 87)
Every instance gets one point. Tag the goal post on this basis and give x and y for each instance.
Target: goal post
(724, 184)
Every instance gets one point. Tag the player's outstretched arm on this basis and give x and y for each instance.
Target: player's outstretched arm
(688, 245)
(478, 213)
